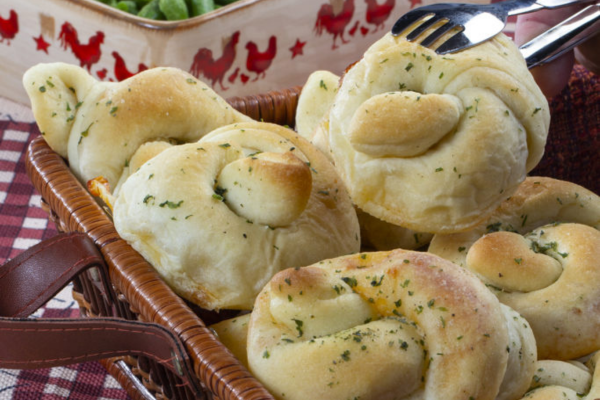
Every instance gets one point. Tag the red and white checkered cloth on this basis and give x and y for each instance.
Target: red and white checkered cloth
(22, 224)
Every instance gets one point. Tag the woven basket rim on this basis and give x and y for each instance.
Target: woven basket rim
(215, 366)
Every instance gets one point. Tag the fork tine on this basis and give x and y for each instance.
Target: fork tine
(407, 20)
(458, 41)
(438, 33)
(415, 33)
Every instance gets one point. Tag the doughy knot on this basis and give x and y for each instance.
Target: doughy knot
(516, 263)
(317, 96)
(218, 218)
(387, 325)
(394, 125)
(99, 126)
(269, 188)
(554, 280)
(435, 143)
(539, 254)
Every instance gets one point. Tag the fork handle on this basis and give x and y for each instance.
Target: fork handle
(517, 7)
(558, 3)
(562, 37)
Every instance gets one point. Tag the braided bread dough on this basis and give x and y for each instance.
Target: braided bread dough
(434, 143)
(539, 252)
(387, 325)
(219, 217)
(98, 126)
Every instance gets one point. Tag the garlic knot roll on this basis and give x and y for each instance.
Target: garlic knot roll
(218, 218)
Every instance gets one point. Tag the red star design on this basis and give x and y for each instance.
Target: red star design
(414, 3)
(296, 49)
(41, 43)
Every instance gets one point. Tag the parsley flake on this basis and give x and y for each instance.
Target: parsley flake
(171, 204)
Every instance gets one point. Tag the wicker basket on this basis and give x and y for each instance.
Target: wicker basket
(141, 293)
(571, 154)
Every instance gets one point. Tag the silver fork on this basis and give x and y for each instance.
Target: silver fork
(562, 37)
(474, 23)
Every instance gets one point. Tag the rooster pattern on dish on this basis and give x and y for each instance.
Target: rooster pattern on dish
(238, 58)
(334, 18)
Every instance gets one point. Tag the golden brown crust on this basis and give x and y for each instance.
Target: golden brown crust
(441, 333)
(269, 188)
(539, 253)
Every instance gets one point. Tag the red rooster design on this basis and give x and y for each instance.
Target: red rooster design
(215, 70)
(335, 24)
(257, 61)
(87, 54)
(377, 14)
(121, 71)
(9, 27)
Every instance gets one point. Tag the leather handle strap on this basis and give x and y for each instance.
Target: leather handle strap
(31, 279)
(43, 343)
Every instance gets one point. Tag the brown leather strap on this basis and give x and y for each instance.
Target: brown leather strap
(35, 276)
(41, 343)
(32, 278)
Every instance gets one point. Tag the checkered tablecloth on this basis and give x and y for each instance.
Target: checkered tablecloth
(22, 224)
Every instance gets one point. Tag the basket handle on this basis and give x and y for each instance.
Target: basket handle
(32, 278)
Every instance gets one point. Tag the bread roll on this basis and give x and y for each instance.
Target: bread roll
(98, 126)
(387, 325)
(539, 253)
(218, 218)
(316, 97)
(435, 143)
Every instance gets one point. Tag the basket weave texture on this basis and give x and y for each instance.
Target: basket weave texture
(141, 293)
(571, 154)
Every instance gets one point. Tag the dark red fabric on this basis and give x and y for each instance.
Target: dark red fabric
(573, 147)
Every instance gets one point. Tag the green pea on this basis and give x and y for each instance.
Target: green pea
(171, 10)
(127, 6)
(174, 9)
(199, 7)
(152, 11)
